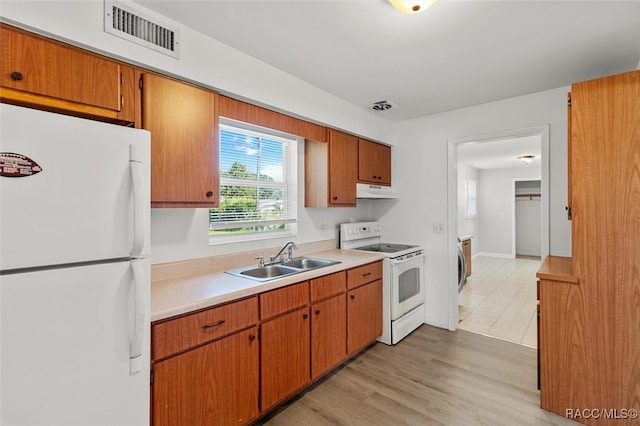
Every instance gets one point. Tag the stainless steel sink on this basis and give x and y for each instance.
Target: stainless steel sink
(309, 263)
(279, 270)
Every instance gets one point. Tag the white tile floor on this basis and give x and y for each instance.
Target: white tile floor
(499, 299)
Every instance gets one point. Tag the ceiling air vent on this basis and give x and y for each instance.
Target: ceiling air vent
(383, 106)
(139, 28)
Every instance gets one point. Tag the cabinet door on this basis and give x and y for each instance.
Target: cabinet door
(184, 149)
(343, 168)
(284, 356)
(364, 316)
(328, 335)
(49, 75)
(215, 384)
(374, 162)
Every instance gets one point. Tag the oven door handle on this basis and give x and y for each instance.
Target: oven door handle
(405, 260)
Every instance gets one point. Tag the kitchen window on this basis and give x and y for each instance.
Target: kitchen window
(258, 188)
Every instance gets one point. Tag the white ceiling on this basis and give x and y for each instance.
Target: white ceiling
(500, 154)
(457, 53)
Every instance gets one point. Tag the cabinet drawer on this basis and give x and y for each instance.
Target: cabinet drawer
(183, 333)
(364, 274)
(326, 286)
(276, 302)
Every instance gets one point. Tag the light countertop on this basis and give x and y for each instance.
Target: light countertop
(177, 296)
(557, 268)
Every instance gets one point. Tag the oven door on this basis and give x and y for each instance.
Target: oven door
(407, 284)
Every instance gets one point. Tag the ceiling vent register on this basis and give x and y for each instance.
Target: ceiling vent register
(383, 106)
(125, 22)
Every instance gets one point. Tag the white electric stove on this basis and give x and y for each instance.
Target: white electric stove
(402, 278)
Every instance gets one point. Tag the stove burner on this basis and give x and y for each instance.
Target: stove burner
(386, 248)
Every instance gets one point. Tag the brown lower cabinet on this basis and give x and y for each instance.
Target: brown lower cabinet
(364, 316)
(284, 356)
(215, 384)
(328, 335)
(232, 363)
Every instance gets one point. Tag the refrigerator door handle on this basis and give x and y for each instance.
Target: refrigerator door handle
(138, 201)
(140, 280)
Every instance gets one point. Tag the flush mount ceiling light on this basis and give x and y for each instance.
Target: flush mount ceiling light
(526, 159)
(412, 6)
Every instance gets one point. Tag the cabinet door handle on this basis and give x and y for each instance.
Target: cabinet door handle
(335, 198)
(353, 296)
(209, 194)
(16, 76)
(305, 316)
(252, 337)
(208, 326)
(317, 311)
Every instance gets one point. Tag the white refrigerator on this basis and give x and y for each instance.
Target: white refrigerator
(74, 280)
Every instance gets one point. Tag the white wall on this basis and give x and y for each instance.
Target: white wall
(420, 174)
(467, 227)
(495, 207)
(183, 233)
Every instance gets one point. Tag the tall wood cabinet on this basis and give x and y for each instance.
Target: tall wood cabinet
(184, 142)
(46, 74)
(590, 318)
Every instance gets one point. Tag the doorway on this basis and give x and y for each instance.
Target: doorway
(494, 234)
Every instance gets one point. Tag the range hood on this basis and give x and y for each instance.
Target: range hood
(365, 190)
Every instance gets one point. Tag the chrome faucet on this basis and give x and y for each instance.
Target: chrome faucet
(290, 246)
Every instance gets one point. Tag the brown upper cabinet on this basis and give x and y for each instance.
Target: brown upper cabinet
(374, 163)
(331, 171)
(44, 74)
(184, 142)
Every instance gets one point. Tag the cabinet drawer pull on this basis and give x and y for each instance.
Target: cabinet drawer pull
(305, 316)
(317, 311)
(209, 194)
(335, 198)
(366, 274)
(208, 326)
(17, 76)
(353, 296)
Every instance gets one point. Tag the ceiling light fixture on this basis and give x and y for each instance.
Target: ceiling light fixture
(526, 159)
(412, 6)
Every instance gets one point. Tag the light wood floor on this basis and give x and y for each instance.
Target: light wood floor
(431, 377)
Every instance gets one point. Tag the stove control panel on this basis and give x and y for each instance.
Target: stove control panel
(359, 230)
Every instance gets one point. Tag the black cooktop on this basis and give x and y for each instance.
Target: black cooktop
(386, 248)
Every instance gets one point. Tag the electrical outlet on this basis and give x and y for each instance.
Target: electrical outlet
(438, 228)
(324, 230)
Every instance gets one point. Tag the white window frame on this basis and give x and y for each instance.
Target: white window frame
(289, 186)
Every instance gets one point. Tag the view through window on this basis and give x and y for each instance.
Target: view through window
(257, 184)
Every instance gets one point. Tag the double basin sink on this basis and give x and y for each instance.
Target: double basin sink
(281, 269)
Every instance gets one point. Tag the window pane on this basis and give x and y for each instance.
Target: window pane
(257, 185)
